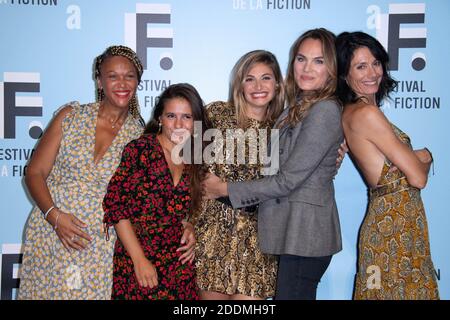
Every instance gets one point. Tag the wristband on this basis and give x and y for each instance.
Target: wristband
(48, 211)
(56, 221)
(432, 159)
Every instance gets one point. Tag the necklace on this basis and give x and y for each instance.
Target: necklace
(113, 123)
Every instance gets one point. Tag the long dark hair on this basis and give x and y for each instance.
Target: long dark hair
(190, 94)
(346, 45)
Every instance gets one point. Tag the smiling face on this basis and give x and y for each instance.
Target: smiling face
(119, 80)
(310, 71)
(365, 74)
(259, 86)
(177, 121)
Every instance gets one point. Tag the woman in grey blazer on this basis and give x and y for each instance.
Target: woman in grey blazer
(297, 217)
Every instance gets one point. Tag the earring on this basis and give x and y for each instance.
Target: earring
(100, 94)
(160, 127)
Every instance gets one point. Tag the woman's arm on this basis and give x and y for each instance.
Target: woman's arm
(371, 124)
(39, 168)
(145, 271)
(122, 186)
(119, 208)
(320, 131)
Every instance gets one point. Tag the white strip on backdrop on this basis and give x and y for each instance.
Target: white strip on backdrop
(48, 47)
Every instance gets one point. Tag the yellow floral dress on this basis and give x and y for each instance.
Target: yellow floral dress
(394, 251)
(77, 186)
(228, 258)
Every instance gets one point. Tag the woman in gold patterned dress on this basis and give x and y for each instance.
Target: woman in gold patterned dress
(66, 253)
(229, 263)
(394, 252)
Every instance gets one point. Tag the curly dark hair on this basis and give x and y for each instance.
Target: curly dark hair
(346, 45)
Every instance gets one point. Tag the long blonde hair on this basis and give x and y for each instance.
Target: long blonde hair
(240, 71)
(300, 104)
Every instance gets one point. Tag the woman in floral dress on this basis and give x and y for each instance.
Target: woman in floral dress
(66, 255)
(149, 198)
(394, 250)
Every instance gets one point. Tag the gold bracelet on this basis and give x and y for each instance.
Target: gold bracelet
(56, 221)
(432, 160)
(431, 155)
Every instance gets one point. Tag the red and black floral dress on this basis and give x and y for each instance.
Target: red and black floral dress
(142, 191)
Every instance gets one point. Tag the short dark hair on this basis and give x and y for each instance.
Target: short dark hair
(346, 45)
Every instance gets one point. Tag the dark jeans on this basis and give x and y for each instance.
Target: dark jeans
(298, 277)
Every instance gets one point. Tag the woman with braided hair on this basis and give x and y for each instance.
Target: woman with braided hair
(67, 254)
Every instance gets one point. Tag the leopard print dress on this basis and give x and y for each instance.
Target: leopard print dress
(229, 260)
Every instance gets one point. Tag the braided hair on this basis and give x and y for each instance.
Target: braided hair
(128, 53)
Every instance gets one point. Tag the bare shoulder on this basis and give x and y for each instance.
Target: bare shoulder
(63, 112)
(59, 116)
(360, 116)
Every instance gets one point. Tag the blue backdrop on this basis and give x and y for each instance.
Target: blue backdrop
(48, 46)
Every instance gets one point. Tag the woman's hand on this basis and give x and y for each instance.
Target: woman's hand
(69, 230)
(144, 270)
(214, 187)
(188, 242)
(146, 274)
(424, 155)
(343, 149)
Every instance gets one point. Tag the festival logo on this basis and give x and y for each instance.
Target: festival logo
(141, 32)
(394, 35)
(16, 101)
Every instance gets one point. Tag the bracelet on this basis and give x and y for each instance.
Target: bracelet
(432, 159)
(56, 221)
(48, 211)
(431, 155)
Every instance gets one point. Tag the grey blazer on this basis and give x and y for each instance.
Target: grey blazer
(297, 210)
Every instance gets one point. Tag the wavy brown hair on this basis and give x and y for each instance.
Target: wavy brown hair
(298, 103)
(240, 71)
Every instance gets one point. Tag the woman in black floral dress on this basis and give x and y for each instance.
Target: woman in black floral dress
(149, 197)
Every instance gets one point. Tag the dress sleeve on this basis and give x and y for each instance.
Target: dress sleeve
(117, 204)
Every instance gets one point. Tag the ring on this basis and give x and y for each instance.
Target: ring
(73, 238)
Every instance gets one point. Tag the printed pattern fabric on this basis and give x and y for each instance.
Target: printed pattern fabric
(77, 186)
(228, 258)
(142, 191)
(394, 251)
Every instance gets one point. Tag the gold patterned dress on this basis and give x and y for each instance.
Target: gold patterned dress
(77, 186)
(228, 258)
(394, 251)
